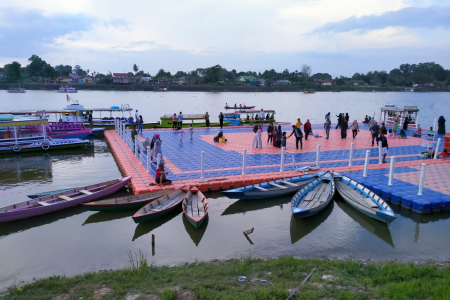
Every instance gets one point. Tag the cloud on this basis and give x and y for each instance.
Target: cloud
(433, 17)
(24, 32)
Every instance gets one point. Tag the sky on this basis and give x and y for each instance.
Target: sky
(339, 37)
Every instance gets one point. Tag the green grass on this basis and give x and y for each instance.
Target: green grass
(351, 280)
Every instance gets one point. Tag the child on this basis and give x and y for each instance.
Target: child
(180, 134)
(418, 132)
(390, 134)
(443, 154)
(191, 131)
(283, 139)
(431, 132)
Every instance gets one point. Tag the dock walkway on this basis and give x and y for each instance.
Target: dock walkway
(223, 163)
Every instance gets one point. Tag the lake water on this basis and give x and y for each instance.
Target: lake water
(76, 240)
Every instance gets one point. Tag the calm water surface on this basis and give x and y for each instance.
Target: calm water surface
(76, 240)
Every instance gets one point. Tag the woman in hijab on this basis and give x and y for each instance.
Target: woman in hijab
(157, 148)
(355, 128)
(395, 127)
(207, 119)
(269, 133)
(274, 136)
(441, 125)
(405, 123)
(147, 143)
(279, 135)
(257, 141)
(221, 120)
(344, 127)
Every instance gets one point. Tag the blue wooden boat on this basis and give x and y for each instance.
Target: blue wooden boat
(313, 197)
(363, 199)
(274, 188)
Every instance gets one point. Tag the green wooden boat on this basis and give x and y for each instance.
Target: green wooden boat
(127, 202)
(160, 206)
(195, 207)
(196, 120)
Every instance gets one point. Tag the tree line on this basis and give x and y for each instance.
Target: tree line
(405, 75)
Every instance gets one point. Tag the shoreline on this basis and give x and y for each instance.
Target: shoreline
(218, 279)
(219, 88)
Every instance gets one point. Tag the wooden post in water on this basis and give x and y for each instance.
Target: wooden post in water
(153, 245)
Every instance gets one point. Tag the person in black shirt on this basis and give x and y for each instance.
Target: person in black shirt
(384, 146)
(375, 130)
(298, 136)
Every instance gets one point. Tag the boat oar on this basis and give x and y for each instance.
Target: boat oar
(305, 280)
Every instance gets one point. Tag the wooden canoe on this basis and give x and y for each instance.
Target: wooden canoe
(61, 200)
(195, 207)
(274, 188)
(127, 202)
(313, 197)
(159, 206)
(363, 199)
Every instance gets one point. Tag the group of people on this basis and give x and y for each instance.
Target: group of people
(235, 106)
(177, 121)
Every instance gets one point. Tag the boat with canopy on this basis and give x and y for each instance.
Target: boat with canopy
(388, 113)
(196, 120)
(249, 116)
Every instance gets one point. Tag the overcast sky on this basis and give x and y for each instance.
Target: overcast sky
(339, 37)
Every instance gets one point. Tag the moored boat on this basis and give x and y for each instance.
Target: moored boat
(309, 91)
(388, 113)
(233, 118)
(17, 90)
(313, 197)
(66, 89)
(270, 189)
(363, 199)
(160, 206)
(252, 116)
(54, 202)
(239, 107)
(127, 202)
(196, 120)
(195, 207)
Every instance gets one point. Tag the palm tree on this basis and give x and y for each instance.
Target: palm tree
(135, 68)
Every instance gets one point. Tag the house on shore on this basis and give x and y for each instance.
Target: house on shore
(357, 82)
(121, 78)
(325, 81)
(75, 78)
(88, 79)
(245, 78)
(281, 82)
(147, 80)
(62, 79)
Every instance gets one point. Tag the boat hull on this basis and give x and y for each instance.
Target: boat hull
(41, 210)
(33, 148)
(154, 216)
(251, 193)
(194, 223)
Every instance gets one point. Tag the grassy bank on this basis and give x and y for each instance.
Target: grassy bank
(219, 280)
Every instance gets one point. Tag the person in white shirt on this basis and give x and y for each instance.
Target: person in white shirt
(261, 117)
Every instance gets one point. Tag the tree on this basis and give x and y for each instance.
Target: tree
(212, 74)
(64, 70)
(12, 71)
(49, 71)
(77, 69)
(36, 66)
(305, 72)
(447, 82)
(135, 68)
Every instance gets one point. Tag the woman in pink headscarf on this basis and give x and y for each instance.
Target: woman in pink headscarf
(157, 147)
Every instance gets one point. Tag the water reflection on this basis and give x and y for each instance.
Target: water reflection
(22, 225)
(196, 234)
(376, 227)
(243, 206)
(146, 227)
(304, 226)
(105, 216)
(420, 218)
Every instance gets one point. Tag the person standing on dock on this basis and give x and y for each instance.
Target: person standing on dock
(221, 120)
(396, 121)
(383, 129)
(347, 118)
(384, 146)
(207, 119)
(180, 120)
(279, 135)
(157, 147)
(257, 141)
(327, 127)
(274, 136)
(174, 121)
(344, 128)
(307, 128)
(355, 128)
(136, 117)
(298, 136)
(141, 123)
(269, 133)
(191, 130)
(441, 125)
(133, 133)
(261, 117)
(299, 123)
(405, 123)
(375, 130)
(180, 134)
(339, 121)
